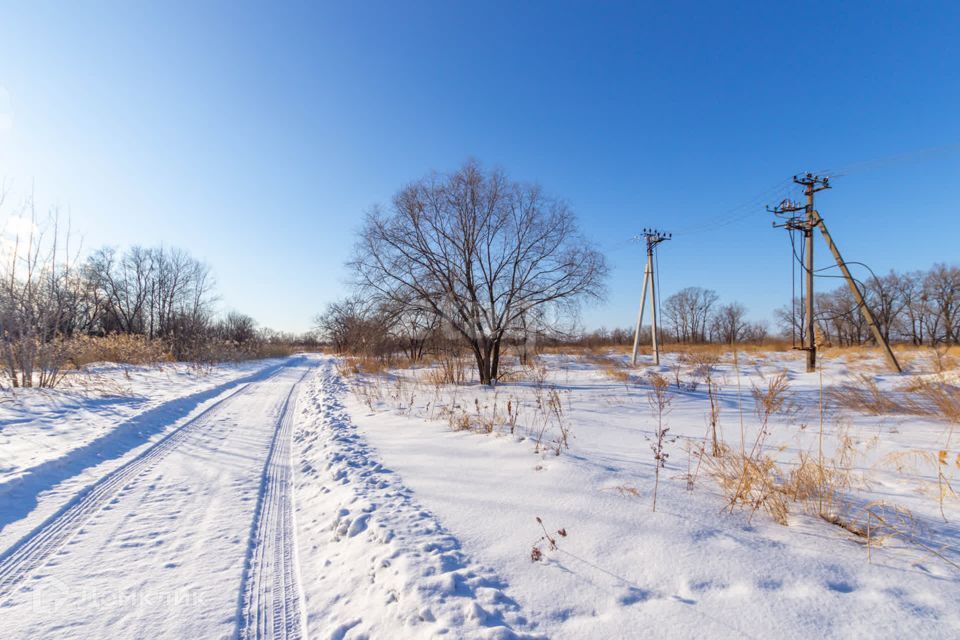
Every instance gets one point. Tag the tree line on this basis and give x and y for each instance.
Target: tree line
(915, 307)
(474, 260)
(49, 297)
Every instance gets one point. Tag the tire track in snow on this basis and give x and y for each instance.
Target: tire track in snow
(379, 564)
(270, 599)
(33, 551)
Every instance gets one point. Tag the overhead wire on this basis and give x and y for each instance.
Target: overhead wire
(882, 162)
(861, 286)
(739, 212)
(780, 191)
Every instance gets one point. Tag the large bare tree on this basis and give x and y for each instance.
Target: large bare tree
(478, 250)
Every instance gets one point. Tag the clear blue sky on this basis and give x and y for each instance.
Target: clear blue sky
(256, 135)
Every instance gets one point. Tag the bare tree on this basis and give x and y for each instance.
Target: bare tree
(411, 327)
(158, 293)
(477, 250)
(687, 313)
(942, 288)
(356, 325)
(755, 332)
(729, 323)
(238, 328)
(39, 296)
(883, 296)
(914, 310)
(790, 319)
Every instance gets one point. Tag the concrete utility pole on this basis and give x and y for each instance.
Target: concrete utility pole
(653, 238)
(806, 224)
(811, 184)
(858, 296)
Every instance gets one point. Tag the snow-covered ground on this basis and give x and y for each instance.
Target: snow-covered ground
(690, 570)
(277, 499)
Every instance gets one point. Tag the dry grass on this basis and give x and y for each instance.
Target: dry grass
(920, 397)
(627, 491)
(751, 482)
(940, 359)
(865, 396)
(349, 366)
(751, 479)
(701, 363)
(448, 369)
(937, 398)
(612, 367)
(758, 483)
(722, 349)
(118, 348)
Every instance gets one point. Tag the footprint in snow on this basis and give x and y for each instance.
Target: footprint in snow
(359, 525)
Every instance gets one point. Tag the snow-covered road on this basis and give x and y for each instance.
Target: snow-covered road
(260, 513)
(192, 538)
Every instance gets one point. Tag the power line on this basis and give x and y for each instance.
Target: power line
(805, 218)
(863, 166)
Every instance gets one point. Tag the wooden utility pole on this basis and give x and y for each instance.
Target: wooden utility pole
(653, 238)
(806, 223)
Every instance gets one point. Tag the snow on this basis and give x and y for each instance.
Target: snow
(276, 499)
(55, 442)
(158, 535)
(690, 569)
(376, 563)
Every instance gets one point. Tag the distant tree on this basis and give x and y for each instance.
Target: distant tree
(687, 313)
(914, 312)
(790, 320)
(942, 289)
(238, 328)
(411, 326)
(148, 292)
(756, 332)
(354, 325)
(729, 323)
(883, 297)
(479, 251)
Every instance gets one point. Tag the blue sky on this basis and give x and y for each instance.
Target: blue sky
(256, 135)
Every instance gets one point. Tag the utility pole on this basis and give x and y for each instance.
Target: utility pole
(653, 238)
(806, 223)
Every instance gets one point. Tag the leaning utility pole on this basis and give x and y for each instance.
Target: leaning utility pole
(806, 224)
(653, 238)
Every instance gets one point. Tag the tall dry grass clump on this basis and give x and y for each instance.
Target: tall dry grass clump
(120, 348)
(750, 478)
(864, 395)
(934, 398)
(450, 368)
(939, 399)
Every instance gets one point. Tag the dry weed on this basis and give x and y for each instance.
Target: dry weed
(118, 348)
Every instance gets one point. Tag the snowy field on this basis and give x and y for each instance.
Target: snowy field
(281, 499)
